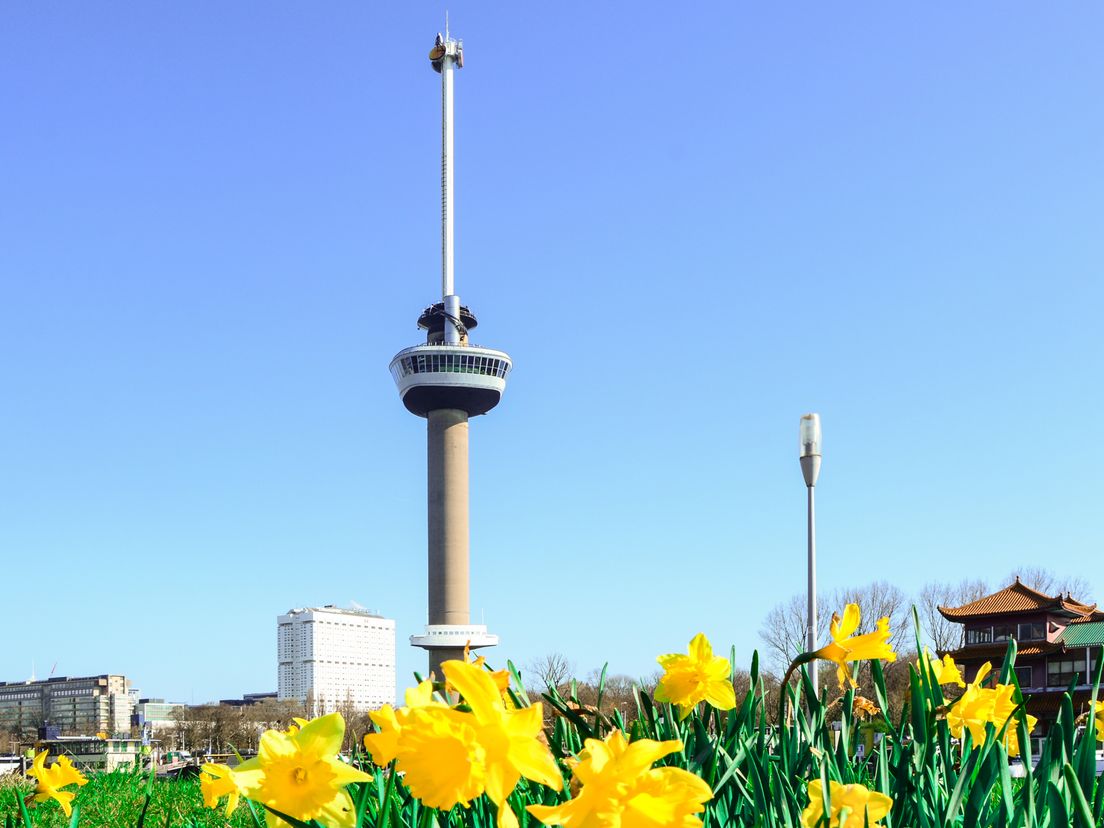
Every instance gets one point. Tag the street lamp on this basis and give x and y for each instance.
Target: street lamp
(810, 468)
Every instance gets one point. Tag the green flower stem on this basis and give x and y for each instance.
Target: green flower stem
(783, 694)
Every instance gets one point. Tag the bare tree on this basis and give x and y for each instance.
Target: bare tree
(1047, 581)
(741, 683)
(617, 693)
(784, 630)
(552, 670)
(187, 729)
(223, 728)
(347, 708)
(650, 682)
(942, 634)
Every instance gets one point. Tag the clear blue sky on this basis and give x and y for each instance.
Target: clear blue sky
(218, 222)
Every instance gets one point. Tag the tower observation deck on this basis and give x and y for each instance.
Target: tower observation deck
(448, 380)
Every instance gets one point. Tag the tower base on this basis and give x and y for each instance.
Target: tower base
(447, 642)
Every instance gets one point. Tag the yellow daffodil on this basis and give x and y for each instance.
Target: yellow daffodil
(384, 745)
(217, 781)
(849, 806)
(980, 706)
(846, 646)
(300, 775)
(51, 780)
(698, 676)
(1003, 707)
(973, 709)
(296, 725)
(1099, 707)
(945, 671)
(448, 757)
(620, 788)
(66, 774)
(501, 677)
(510, 739)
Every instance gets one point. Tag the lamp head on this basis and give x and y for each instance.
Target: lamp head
(809, 440)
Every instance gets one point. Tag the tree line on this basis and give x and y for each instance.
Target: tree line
(783, 634)
(221, 728)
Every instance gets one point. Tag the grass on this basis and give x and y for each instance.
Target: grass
(117, 799)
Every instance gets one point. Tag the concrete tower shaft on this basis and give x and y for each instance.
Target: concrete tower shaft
(448, 516)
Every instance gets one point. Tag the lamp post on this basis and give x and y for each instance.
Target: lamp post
(810, 467)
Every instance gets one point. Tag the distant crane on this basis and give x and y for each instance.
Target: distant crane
(34, 678)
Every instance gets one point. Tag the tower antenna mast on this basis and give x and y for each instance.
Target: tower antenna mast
(449, 57)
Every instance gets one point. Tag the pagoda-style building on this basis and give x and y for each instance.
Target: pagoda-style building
(1059, 640)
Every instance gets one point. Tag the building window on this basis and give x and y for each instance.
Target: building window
(979, 635)
(1062, 671)
(1023, 676)
(1035, 631)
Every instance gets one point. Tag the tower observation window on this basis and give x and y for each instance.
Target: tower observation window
(451, 363)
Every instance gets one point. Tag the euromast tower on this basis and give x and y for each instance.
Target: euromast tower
(448, 380)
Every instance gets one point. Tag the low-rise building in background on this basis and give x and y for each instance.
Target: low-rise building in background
(88, 704)
(90, 753)
(153, 716)
(248, 699)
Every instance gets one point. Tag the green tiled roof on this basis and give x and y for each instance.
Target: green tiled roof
(1083, 635)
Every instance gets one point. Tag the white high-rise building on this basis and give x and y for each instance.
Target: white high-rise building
(336, 657)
